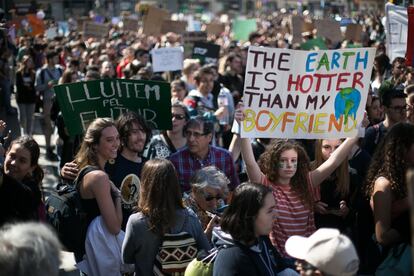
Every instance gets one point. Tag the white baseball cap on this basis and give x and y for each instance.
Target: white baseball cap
(326, 249)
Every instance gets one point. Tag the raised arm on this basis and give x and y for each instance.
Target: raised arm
(318, 175)
(253, 169)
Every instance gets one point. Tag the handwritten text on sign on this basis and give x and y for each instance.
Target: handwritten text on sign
(83, 102)
(305, 94)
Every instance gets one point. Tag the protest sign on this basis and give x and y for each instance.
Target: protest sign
(94, 29)
(189, 38)
(214, 28)
(410, 37)
(152, 19)
(396, 30)
(28, 25)
(206, 52)
(130, 24)
(167, 59)
(353, 32)
(82, 102)
(51, 33)
(242, 28)
(305, 94)
(174, 26)
(329, 29)
(296, 27)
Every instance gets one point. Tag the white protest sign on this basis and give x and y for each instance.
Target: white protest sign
(51, 33)
(396, 30)
(167, 59)
(305, 94)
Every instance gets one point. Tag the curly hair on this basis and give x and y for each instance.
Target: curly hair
(268, 164)
(389, 160)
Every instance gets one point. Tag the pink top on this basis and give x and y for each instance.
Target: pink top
(292, 217)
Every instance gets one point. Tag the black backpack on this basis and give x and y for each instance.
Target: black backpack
(65, 212)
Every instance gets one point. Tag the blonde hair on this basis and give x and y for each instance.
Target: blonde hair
(87, 153)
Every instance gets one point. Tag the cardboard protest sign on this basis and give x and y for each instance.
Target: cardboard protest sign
(329, 29)
(29, 25)
(297, 23)
(305, 94)
(206, 52)
(167, 59)
(189, 38)
(152, 20)
(353, 32)
(242, 28)
(215, 28)
(94, 29)
(130, 24)
(396, 30)
(82, 102)
(174, 26)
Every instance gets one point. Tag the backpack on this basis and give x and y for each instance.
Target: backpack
(175, 253)
(65, 213)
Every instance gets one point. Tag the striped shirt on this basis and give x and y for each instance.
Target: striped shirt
(292, 217)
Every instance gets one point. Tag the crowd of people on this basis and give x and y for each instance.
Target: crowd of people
(149, 184)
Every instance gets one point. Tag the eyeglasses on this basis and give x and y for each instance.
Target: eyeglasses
(196, 135)
(178, 116)
(399, 108)
(210, 198)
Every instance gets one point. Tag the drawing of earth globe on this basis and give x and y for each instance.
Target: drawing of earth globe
(346, 103)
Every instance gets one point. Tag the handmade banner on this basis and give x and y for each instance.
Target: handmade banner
(167, 59)
(353, 32)
(153, 20)
(305, 94)
(188, 40)
(94, 29)
(206, 52)
(82, 102)
(174, 26)
(329, 29)
(396, 30)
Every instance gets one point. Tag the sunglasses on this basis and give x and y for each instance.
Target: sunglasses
(210, 198)
(178, 116)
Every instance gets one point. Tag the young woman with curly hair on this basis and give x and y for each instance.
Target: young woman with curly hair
(387, 188)
(160, 211)
(285, 167)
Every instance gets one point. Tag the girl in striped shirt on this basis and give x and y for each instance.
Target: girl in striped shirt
(285, 168)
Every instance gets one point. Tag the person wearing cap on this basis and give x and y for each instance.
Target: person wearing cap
(394, 107)
(325, 252)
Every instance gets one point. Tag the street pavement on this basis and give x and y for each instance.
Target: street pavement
(51, 171)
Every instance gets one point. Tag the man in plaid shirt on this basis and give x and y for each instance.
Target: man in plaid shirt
(199, 153)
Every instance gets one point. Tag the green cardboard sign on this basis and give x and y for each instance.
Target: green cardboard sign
(242, 28)
(82, 102)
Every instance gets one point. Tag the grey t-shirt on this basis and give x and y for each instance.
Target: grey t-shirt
(141, 245)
